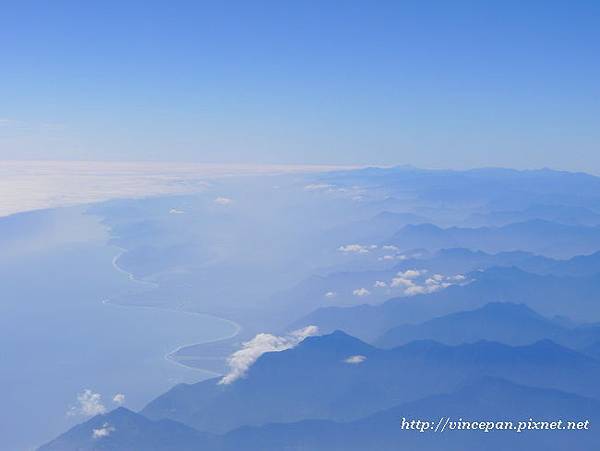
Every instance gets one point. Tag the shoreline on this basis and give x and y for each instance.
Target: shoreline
(170, 355)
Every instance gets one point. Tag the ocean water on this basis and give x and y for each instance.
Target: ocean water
(58, 338)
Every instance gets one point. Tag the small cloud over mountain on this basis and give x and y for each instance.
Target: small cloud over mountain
(392, 257)
(361, 292)
(411, 273)
(356, 248)
(241, 360)
(102, 432)
(401, 282)
(412, 282)
(355, 359)
(119, 398)
(88, 404)
(223, 200)
(317, 186)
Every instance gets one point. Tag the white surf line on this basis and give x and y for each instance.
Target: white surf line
(129, 275)
(170, 355)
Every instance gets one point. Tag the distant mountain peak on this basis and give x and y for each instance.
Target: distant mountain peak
(338, 339)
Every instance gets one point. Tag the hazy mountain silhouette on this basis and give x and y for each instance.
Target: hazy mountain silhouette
(481, 399)
(489, 398)
(513, 324)
(124, 430)
(375, 229)
(314, 380)
(537, 236)
(564, 214)
(573, 297)
(310, 293)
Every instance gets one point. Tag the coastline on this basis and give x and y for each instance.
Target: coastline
(170, 355)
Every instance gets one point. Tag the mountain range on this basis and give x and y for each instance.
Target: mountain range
(512, 324)
(312, 397)
(550, 295)
(318, 379)
(538, 236)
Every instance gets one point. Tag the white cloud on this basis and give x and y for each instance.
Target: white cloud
(241, 360)
(401, 282)
(102, 432)
(223, 201)
(411, 273)
(389, 247)
(406, 278)
(416, 289)
(119, 398)
(379, 284)
(89, 404)
(432, 284)
(175, 211)
(330, 294)
(361, 292)
(435, 280)
(393, 257)
(355, 359)
(317, 186)
(354, 248)
(305, 332)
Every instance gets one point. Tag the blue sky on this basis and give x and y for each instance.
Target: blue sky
(429, 83)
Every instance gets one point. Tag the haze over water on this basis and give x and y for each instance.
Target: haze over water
(32, 185)
(59, 338)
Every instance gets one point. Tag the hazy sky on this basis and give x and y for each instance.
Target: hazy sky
(428, 83)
